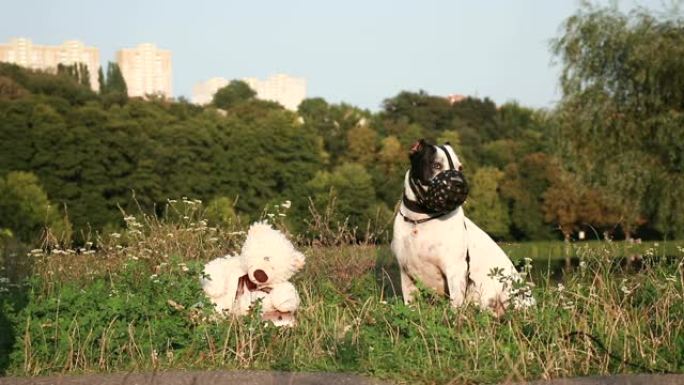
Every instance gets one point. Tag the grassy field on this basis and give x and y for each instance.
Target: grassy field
(135, 305)
(555, 250)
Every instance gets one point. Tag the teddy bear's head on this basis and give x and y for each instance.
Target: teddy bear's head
(269, 256)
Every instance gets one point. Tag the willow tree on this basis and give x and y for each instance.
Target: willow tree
(621, 119)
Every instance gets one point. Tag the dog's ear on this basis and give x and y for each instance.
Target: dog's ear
(417, 146)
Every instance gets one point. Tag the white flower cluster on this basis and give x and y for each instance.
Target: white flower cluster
(279, 211)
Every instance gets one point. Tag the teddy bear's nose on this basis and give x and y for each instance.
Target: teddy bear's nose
(260, 276)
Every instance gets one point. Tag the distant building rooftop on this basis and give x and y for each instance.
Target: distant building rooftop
(455, 98)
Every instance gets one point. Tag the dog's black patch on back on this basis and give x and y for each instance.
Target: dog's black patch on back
(421, 162)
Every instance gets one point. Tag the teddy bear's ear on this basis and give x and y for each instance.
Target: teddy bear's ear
(259, 229)
(299, 259)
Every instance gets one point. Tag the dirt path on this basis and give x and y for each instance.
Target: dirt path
(199, 378)
(281, 378)
(624, 379)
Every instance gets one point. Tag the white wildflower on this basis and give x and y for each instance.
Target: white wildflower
(287, 204)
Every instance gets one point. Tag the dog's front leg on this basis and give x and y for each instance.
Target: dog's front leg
(456, 273)
(408, 287)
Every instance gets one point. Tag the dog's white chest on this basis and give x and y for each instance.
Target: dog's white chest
(425, 264)
(424, 250)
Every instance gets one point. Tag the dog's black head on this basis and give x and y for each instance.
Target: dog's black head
(436, 172)
(423, 161)
(428, 160)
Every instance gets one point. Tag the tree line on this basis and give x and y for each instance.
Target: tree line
(607, 160)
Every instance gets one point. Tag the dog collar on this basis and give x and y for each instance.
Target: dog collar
(423, 220)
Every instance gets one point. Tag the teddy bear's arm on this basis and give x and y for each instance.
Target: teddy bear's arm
(221, 283)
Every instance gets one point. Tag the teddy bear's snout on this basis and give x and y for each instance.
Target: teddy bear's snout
(260, 276)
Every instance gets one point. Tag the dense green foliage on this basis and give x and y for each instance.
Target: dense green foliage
(487, 208)
(92, 156)
(621, 118)
(234, 93)
(26, 211)
(92, 152)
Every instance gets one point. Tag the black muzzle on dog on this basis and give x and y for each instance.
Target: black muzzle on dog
(445, 192)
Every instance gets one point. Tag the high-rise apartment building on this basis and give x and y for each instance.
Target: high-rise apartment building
(146, 70)
(203, 93)
(23, 52)
(286, 90)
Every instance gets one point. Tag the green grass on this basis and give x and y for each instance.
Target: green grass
(553, 250)
(136, 305)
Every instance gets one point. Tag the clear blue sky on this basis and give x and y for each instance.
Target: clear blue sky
(359, 52)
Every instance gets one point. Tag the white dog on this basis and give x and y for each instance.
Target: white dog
(435, 243)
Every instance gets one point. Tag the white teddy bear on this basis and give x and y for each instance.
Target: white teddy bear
(261, 272)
